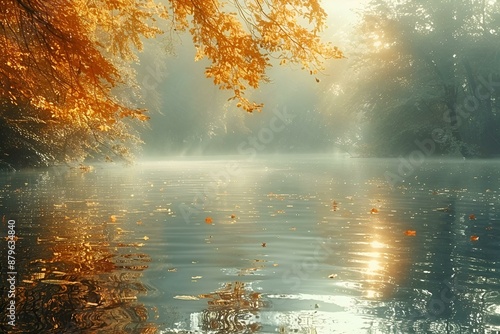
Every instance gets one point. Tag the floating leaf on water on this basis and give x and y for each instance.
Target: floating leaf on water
(264, 244)
(374, 211)
(112, 218)
(411, 233)
(474, 238)
(472, 216)
(208, 220)
(332, 276)
(196, 277)
(186, 297)
(233, 216)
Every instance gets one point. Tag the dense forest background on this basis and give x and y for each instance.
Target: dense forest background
(424, 70)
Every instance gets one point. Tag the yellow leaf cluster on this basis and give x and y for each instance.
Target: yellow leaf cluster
(239, 39)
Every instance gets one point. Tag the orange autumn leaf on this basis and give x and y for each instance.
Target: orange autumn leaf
(208, 220)
(112, 218)
(474, 238)
(411, 233)
(374, 211)
(61, 64)
(472, 217)
(233, 216)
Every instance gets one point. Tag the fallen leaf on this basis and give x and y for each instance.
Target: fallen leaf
(233, 216)
(332, 276)
(112, 218)
(208, 220)
(374, 211)
(264, 244)
(472, 217)
(411, 233)
(474, 238)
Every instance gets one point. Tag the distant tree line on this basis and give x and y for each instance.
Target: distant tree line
(423, 70)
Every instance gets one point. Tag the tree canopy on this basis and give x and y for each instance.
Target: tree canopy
(425, 70)
(63, 61)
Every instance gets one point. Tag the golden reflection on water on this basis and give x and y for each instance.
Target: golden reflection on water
(79, 281)
(232, 309)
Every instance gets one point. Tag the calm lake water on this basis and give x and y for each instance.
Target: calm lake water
(287, 244)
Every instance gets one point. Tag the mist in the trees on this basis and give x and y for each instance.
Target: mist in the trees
(414, 71)
(423, 70)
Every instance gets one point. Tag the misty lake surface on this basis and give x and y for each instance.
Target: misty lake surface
(275, 244)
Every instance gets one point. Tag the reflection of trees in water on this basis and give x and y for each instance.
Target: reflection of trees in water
(85, 286)
(232, 309)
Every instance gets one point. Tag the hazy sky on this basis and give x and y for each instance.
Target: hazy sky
(190, 115)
